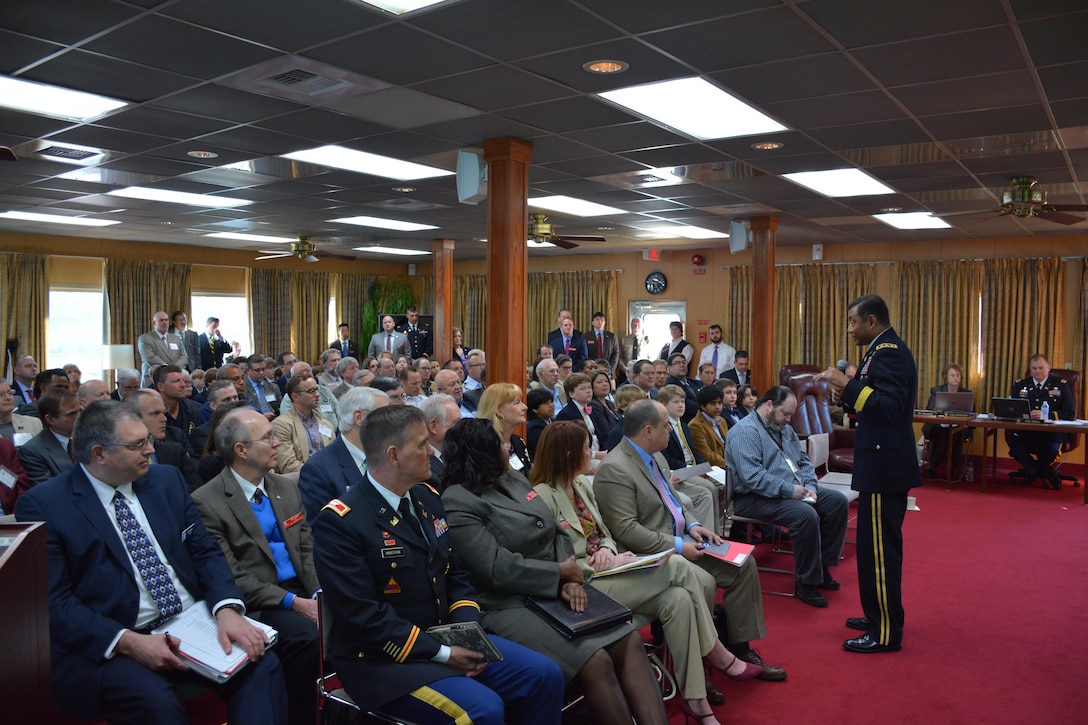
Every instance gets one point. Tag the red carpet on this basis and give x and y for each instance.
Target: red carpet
(995, 588)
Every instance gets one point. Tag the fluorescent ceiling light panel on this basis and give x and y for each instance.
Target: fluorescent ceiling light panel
(373, 221)
(690, 232)
(570, 205)
(913, 220)
(252, 237)
(361, 162)
(29, 216)
(695, 107)
(53, 101)
(400, 7)
(840, 182)
(178, 197)
(395, 251)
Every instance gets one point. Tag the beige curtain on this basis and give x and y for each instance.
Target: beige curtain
(737, 321)
(136, 290)
(827, 290)
(351, 292)
(309, 315)
(1021, 314)
(424, 287)
(24, 303)
(937, 314)
(269, 295)
(469, 305)
(582, 292)
(788, 295)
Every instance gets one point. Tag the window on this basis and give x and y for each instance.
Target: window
(74, 331)
(233, 314)
(656, 317)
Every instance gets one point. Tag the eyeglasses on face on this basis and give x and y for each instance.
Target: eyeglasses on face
(137, 446)
(269, 439)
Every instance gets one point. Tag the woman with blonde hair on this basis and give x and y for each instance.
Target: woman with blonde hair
(503, 404)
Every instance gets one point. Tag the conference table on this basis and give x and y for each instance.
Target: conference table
(990, 427)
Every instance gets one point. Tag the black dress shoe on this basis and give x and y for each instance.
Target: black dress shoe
(810, 595)
(867, 645)
(859, 623)
(714, 695)
(829, 584)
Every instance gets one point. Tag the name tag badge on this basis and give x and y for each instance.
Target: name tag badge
(8, 478)
(325, 431)
(791, 464)
(393, 552)
(326, 408)
(531, 495)
(270, 397)
(173, 346)
(292, 521)
(188, 530)
(21, 439)
(516, 463)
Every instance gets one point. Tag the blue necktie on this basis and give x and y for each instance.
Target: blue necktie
(148, 563)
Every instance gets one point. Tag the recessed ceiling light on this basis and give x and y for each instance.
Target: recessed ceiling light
(605, 67)
(178, 197)
(394, 251)
(570, 205)
(689, 232)
(203, 154)
(253, 237)
(695, 107)
(53, 101)
(29, 216)
(378, 222)
(404, 189)
(339, 157)
(768, 145)
(913, 220)
(840, 182)
(400, 7)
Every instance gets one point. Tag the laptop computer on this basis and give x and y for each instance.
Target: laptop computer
(1011, 408)
(954, 402)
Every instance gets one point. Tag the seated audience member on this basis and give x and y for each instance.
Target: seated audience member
(739, 373)
(383, 605)
(426, 385)
(370, 363)
(448, 382)
(391, 387)
(17, 482)
(49, 453)
(731, 412)
(284, 361)
(514, 547)
(661, 374)
(547, 373)
(541, 412)
(544, 352)
(181, 412)
(14, 427)
(644, 376)
(502, 404)
(302, 428)
(412, 382)
(219, 392)
(747, 395)
(340, 465)
(261, 394)
(937, 435)
(440, 413)
(210, 464)
(1036, 451)
(566, 367)
(233, 374)
(128, 379)
(386, 368)
(362, 378)
(200, 389)
(345, 370)
(707, 374)
(75, 376)
(400, 363)
(643, 513)
(587, 366)
(626, 395)
(580, 392)
(51, 379)
(678, 376)
(105, 663)
(256, 517)
(774, 481)
(603, 400)
(677, 593)
(329, 360)
(708, 429)
(24, 371)
(153, 413)
(326, 405)
(705, 494)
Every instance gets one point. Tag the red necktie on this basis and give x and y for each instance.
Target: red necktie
(600, 344)
(589, 410)
(71, 453)
(566, 345)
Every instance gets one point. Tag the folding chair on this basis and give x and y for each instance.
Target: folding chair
(817, 455)
(776, 540)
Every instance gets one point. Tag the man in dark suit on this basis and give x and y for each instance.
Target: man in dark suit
(602, 344)
(569, 342)
(420, 339)
(882, 394)
(263, 395)
(219, 392)
(47, 454)
(257, 518)
(642, 510)
(739, 373)
(440, 412)
(105, 662)
(128, 379)
(580, 394)
(25, 370)
(153, 413)
(213, 346)
(182, 412)
(389, 572)
(678, 376)
(284, 361)
(338, 466)
(189, 340)
(346, 346)
(449, 382)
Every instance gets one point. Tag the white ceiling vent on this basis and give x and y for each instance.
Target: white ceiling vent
(295, 78)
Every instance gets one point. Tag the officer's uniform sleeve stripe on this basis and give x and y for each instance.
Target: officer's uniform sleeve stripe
(464, 603)
(862, 397)
(408, 645)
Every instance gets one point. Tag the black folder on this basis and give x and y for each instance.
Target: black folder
(602, 612)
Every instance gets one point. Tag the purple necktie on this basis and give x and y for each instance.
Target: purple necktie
(666, 496)
(714, 360)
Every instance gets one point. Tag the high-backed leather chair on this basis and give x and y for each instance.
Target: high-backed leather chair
(1072, 378)
(814, 416)
(788, 370)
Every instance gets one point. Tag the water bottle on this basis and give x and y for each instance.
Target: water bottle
(1045, 410)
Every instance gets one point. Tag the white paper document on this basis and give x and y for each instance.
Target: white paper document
(200, 648)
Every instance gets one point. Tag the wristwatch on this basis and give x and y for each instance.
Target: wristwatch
(236, 607)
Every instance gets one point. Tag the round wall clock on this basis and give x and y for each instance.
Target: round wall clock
(656, 283)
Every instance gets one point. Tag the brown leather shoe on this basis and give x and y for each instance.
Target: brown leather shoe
(713, 694)
(770, 672)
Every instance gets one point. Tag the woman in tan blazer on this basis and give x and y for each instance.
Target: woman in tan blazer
(676, 592)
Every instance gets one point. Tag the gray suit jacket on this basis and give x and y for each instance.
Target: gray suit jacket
(43, 457)
(377, 344)
(231, 522)
(632, 508)
(190, 341)
(269, 388)
(154, 352)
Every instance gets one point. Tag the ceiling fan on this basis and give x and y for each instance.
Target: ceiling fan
(541, 232)
(1023, 201)
(303, 249)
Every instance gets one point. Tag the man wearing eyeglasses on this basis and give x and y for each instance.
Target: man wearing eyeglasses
(275, 567)
(153, 413)
(475, 368)
(302, 428)
(105, 661)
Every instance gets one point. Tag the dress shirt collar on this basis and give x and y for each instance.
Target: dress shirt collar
(248, 488)
(63, 440)
(356, 453)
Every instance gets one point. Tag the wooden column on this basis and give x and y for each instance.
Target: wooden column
(761, 340)
(442, 251)
(506, 338)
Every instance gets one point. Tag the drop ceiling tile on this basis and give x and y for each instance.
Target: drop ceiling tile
(646, 65)
(1056, 40)
(597, 166)
(493, 88)
(163, 123)
(667, 156)
(802, 162)
(1071, 113)
(797, 78)
(152, 166)
(474, 131)
(321, 125)
(868, 135)
(257, 141)
(1020, 163)
(641, 17)
(628, 137)
(547, 149)
(833, 110)
(403, 144)
(894, 175)
(180, 152)
(568, 114)
(403, 108)
(93, 73)
(1064, 82)
(857, 23)
(969, 94)
(64, 21)
(225, 103)
(741, 148)
(20, 51)
(995, 122)
(28, 124)
(977, 53)
(110, 139)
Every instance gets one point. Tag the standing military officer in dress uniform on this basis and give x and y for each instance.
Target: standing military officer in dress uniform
(1033, 450)
(420, 339)
(883, 395)
(389, 571)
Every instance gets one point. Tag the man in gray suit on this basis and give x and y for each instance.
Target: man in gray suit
(46, 455)
(645, 516)
(190, 341)
(262, 394)
(388, 340)
(256, 517)
(159, 347)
